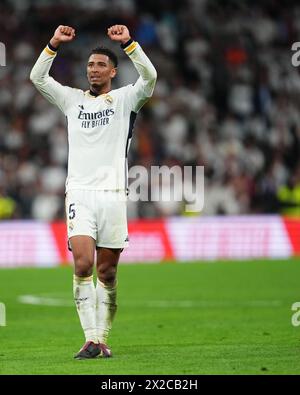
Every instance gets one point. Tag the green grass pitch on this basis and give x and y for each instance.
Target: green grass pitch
(192, 318)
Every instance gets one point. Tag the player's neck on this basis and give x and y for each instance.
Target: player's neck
(100, 90)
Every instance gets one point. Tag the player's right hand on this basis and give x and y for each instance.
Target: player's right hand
(64, 34)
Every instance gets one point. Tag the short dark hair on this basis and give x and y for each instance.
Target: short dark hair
(106, 51)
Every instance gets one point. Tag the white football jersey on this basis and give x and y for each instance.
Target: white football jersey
(99, 127)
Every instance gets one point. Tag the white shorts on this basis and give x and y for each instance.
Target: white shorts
(99, 214)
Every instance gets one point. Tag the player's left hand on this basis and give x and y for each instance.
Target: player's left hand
(118, 33)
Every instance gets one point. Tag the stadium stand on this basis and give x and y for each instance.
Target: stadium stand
(227, 98)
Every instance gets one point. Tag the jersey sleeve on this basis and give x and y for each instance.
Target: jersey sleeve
(142, 90)
(52, 90)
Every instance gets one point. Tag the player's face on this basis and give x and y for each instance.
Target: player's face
(100, 70)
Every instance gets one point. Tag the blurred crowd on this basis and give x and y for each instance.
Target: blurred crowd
(227, 98)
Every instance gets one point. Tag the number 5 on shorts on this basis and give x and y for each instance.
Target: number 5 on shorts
(71, 211)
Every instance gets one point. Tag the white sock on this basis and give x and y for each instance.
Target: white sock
(105, 309)
(85, 299)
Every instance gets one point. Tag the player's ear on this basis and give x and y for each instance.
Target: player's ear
(113, 72)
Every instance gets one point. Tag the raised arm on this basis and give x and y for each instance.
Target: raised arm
(142, 90)
(48, 87)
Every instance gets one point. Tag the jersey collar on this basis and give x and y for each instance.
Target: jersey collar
(93, 93)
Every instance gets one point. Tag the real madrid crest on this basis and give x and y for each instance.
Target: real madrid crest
(108, 99)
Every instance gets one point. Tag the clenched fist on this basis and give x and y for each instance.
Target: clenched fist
(118, 33)
(61, 35)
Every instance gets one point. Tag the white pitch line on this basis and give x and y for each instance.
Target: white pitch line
(44, 301)
(60, 302)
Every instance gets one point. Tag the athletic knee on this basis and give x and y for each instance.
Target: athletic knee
(107, 274)
(83, 266)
